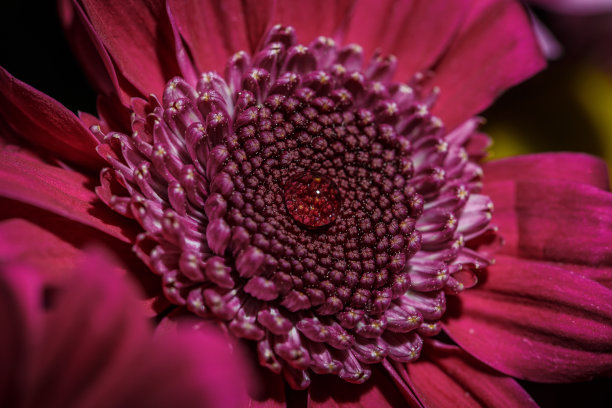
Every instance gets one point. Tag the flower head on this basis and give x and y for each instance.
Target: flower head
(306, 200)
(323, 199)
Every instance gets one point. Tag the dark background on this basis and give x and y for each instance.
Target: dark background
(33, 48)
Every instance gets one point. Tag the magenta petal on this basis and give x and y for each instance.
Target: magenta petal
(572, 167)
(45, 123)
(537, 322)
(63, 192)
(446, 376)
(138, 36)
(101, 343)
(554, 221)
(495, 49)
(313, 18)
(38, 248)
(416, 32)
(20, 325)
(214, 31)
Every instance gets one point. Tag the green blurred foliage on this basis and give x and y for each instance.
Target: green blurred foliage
(567, 107)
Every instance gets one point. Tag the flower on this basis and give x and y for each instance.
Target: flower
(85, 342)
(326, 208)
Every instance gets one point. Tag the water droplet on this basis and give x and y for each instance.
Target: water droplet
(313, 200)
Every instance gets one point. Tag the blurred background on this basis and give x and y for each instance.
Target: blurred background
(568, 107)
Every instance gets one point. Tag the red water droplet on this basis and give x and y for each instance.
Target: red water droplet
(313, 200)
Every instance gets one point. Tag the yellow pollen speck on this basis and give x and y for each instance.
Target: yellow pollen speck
(207, 78)
(442, 146)
(218, 117)
(422, 110)
(300, 49)
(462, 193)
(238, 56)
(405, 89)
(436, 122)
(356, 48)
(339, 69)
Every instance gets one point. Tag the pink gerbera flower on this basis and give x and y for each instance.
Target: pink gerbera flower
(85, 343)
(307, 175)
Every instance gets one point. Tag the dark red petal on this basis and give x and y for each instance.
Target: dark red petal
(416, 32)
(312, 19)
(93, 60)
(446, 376)
(92, 55)
(216, 30)
(535, 321)
(332, 392)
(554, 221)
(572, 167)
(45, 123)
(67, 193)
(139, 38)
(495, 50)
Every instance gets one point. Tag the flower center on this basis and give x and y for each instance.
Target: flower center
(312, 199)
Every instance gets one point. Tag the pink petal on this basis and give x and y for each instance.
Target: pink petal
(313, 18)
(63, 192)
(332, 392)
(495, 50)
(572, 167)
(39, 249)
(138, 36)
(448, 377)
(554, 221)
(20, 325)
(102, 345)
(45, 123)
(416, 32)
(216, 30)
(536, 322)
(52, 245)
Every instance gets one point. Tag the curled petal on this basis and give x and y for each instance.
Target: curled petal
(489, 58)
(45, 123)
